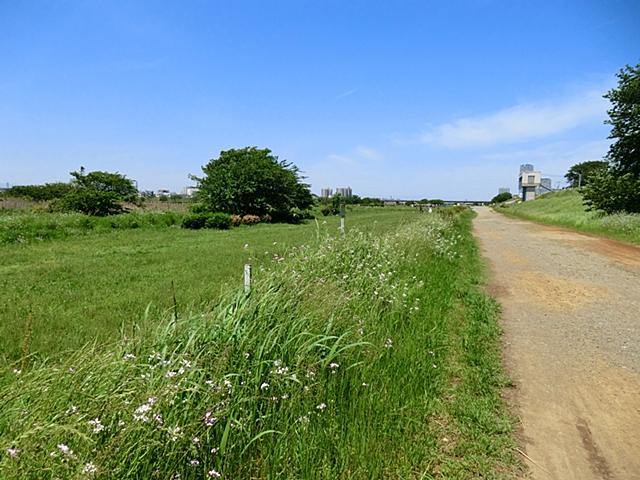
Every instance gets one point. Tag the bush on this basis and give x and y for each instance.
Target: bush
(266, 218)
(502, 197)
(611, 193)
(195, 221)
(250, 219)
(221, 221)
(98, 203)
(236, 220)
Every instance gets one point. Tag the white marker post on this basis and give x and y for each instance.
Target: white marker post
(247, 278)
(343, 214)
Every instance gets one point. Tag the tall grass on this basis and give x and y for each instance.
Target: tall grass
(361, 356)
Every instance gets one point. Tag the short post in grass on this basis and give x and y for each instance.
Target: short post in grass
(342, 215)
(247, 277)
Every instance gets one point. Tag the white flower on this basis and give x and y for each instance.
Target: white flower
(214, 474)
(195, 462)
(65, 449)
(388, 343)
(321, 406)
(209, 419)
(97, 425)
(17, 371)
(89, 468)
(175, 432)
(13, 452)
(128, 356)
(333, 366)
(71, 410)
(171, 374)
(264, 386)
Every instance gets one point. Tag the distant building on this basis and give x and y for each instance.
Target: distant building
(504, 190)
(344, 192)
(190, 191)
(163, 192)
(528, 182)
(526, 167)
(326, 193)
(545, 186)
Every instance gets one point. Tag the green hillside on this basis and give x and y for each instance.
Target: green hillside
(565, 208)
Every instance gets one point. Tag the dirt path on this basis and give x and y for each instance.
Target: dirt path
(571, 318)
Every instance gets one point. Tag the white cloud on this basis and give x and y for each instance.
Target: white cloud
(367, 153)
(519, 123)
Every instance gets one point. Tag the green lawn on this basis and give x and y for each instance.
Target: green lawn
(96, 287)
(565, 208)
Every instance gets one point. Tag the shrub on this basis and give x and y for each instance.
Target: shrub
(98, 203)
(236, 220)
(195, 221)
(250, 219)
(221, 221)
(266, 218)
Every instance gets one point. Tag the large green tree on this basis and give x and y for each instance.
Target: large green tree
(618, 189)
(624, 117)
(252, 181)
(580, 174)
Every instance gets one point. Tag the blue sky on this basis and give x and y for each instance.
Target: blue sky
(407, 99)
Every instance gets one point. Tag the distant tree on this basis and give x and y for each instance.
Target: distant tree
(436, 201)
(618, 188)
(116, 183)
(48, 191)
(252, 181)
(586, 170)
(502, 197)
(97, 193)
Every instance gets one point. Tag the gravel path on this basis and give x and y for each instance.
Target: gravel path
(571, 320)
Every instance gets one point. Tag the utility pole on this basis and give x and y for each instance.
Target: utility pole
(579, 179)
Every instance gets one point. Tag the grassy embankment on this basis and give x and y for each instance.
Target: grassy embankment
(373, 355)
(565, 208)
(58, 295)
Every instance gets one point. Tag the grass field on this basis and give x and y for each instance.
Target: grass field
(59, 294)
(373, 355)
(565, 208)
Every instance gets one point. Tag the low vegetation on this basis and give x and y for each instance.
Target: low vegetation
(368, 355)
(566, 208)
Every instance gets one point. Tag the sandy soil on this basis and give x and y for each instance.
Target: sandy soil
(571, 320)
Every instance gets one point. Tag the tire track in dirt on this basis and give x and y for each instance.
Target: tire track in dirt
(571, 321)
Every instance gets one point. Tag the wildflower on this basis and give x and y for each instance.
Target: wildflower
(171, 374)
(195, 462)
(388, 343)
(65, 449)
(209, 419)
(158, 419)
(215, 450)
(175, 432)
(333, 366)
(246, 245)
(89, 469)
(17, 371)
(71, 410)
(213, 474)
(303, 419)
(97, 425)
(321, 407)
(195, 441)
(264, 386)
(128, 356)
(13, 452)
(247, 354)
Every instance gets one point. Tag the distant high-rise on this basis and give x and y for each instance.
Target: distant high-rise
(504, 190)
(526, 167)
(344, 192)
(326, 193)
(545, 186)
